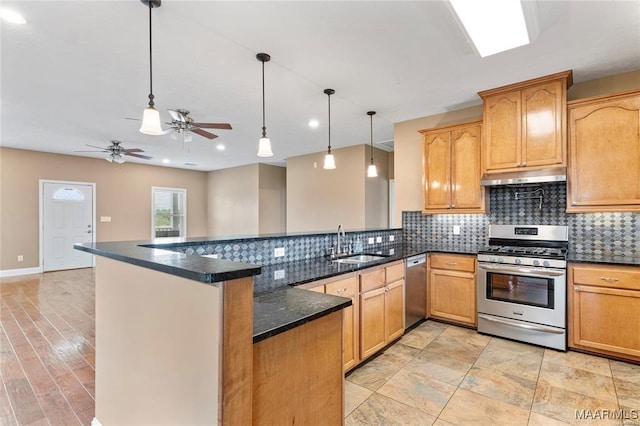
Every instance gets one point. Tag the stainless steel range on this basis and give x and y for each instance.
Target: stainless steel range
(522, 284)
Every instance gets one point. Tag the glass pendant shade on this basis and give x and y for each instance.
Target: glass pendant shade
(151, 122)
(372, 171)
(264, 148)
(329, 162)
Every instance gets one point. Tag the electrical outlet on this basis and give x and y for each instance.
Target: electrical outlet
(278, 252)
(370, 240)
(378, 239)
(392, 238)
(279, 274)
(20, 258)
(392, 252)
(456, 229)
(211, 256)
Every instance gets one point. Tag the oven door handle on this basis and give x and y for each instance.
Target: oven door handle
(538, 272)
(533, 327)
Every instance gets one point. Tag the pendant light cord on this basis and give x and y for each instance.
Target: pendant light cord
(371, 115)
(264, 128)
(151, 104)
(329, 100)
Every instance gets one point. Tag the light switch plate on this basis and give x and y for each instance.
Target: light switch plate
(378, 239)
(456, 229)
(370, 240)
(392, 237)
(278, 252)
(105, 218)
(279, 274)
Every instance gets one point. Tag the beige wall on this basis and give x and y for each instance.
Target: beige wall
(376, 209)
(272, 199)
(232, 206)
(408, 143)
(320, 200)
(122, 192)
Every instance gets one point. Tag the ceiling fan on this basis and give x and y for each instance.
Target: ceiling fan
(182, 123)
(116, 151)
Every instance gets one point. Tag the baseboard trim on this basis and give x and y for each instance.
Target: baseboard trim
(22, 271)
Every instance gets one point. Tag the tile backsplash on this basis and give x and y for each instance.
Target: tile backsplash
(544, 204)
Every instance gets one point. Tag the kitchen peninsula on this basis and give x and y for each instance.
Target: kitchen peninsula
(176, 342)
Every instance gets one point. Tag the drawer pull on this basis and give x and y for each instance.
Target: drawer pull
(452, 263)
(609, 279)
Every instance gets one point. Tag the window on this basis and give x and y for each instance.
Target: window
(68, 194)
(168, 212)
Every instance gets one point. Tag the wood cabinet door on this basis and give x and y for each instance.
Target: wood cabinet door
(394, 310)
(348, 288)
(466, 168)
(452, 296)
(437, 171)
(502, 131)
(543, 125)
(605, 319)
(372, 327)
(604, 155)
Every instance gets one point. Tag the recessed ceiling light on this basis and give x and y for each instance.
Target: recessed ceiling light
(12, 16)
(314, 123)
(220, 147)
(165, 160)
(493, 26)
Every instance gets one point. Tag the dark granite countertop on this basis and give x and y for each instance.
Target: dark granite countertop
(285, 308)
(605, 258)
(196, 268)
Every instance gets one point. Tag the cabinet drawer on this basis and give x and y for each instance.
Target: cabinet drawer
(344, 288)
(453, 262)
(372, 280)
(318, 288)
(626, 277)
(395, 272)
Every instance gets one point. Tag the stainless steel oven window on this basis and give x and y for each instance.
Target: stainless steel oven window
(520, 289)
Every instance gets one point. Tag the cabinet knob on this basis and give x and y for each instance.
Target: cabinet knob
(576, 289)
(574, 203)
(524, 164)
(610, 279)
(518, 165)
(453, 206)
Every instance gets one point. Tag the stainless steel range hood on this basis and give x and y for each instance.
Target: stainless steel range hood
(558, 174)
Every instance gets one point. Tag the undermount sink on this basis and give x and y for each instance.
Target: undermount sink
(359, 258)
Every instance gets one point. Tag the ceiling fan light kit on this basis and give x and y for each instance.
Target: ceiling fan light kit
(264, 145)
(116, 152)
(151, 118)
(329, 160)
(372, 170)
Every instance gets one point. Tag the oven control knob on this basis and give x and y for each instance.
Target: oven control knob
(536, 263)
(500, 260)
(546, 263)
(518, 261)
(492, 259)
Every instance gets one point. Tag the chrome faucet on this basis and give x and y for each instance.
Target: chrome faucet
(339, 246)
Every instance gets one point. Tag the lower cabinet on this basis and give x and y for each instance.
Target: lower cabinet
(604, 309)
(381, 308)
(348, 288)
(452, 288)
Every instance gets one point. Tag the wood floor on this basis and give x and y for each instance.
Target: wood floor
(47, 348)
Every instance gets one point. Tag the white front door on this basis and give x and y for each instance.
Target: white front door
(67, 218)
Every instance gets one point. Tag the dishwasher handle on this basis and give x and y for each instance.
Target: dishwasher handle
(416, 260)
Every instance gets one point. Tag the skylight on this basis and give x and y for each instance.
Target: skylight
(493, 26)
(12, 16)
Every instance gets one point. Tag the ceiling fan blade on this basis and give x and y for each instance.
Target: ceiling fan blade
(91, 151)
(145, 157)
(133, 150)
(177, 115)
(135, 119)
(99, 147)
(204, 133)
(226, 126)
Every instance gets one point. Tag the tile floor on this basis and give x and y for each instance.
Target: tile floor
(435, 374)
(446, 375)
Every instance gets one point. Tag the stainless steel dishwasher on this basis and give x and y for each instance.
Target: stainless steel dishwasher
(416, 289)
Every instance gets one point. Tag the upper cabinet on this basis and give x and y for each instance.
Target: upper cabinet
(452, 169)
(604, 154)
(525, 124)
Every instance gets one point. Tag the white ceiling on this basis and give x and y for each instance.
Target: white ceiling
(73, 73)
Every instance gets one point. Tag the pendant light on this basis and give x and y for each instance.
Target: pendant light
(372, 170)
(151, 117)
(264, 146)
(329, 161)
